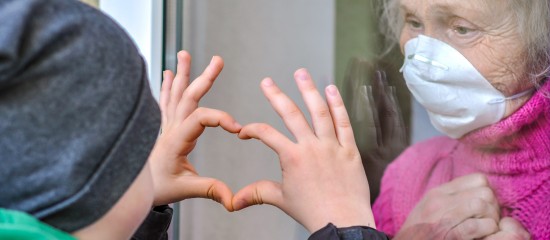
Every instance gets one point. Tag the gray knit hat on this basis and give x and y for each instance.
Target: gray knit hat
(77, 118)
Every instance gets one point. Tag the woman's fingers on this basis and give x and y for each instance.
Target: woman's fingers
(364, 117)
(509, 229)
(340, 118)
(455, 207)
(470, 209)
(482, 203)
(481, 199)
(395, 130)
(290, 113)
(464, 183)
(261, 192)
(267, 134)
(318, 109)
(473, 228)
(514, 228)
(450, 206)
(199, 87)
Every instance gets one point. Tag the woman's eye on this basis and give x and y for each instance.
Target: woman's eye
(462, 30)
(414, 24)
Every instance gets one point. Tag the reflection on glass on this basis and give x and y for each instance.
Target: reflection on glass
(94, 3)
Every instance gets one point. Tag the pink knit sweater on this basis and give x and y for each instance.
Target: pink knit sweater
(518, 168)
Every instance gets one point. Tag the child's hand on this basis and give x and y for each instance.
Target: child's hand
(323, 177)
(174, 177)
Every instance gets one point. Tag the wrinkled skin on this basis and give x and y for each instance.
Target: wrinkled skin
(485, 32)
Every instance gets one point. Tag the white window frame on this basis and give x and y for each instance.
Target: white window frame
(143, 20)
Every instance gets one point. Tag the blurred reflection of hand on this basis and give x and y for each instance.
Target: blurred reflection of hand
(465, 208)
(375, 116)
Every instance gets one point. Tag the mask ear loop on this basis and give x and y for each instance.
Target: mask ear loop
(515, 96)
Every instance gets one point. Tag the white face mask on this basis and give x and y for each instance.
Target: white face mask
(457, 97)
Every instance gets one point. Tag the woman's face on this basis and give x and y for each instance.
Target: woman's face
(485, 32)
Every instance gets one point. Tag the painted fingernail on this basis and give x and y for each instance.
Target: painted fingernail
(332, 90)
(268, 82)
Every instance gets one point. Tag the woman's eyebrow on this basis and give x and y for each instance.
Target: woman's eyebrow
(443, 10)
(405, 8)
(407, 11)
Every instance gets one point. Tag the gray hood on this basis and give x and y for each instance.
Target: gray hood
(77, 118)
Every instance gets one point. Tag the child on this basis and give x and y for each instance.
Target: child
(79, 122)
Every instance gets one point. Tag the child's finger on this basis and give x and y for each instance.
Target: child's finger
(183, 68)
(202, 187)
(201, 118)
(340, 117)
(292, 116)
(268, 135)
(257, 193)
(181, 80)
(167, 80)
(199, 87)
(317, 106)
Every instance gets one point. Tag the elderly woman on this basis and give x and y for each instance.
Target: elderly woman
(480, 69)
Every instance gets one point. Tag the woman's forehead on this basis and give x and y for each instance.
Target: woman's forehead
(482, 12)
(474, 6)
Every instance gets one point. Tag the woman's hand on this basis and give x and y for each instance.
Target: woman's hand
(375, 115)
(465, 208)
(323, 178)
(509, 229)
(174, 177)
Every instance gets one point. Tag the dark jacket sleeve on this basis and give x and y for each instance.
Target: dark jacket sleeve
(155, 226)
(331, 232)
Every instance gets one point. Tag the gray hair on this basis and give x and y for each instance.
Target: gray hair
(533, 18)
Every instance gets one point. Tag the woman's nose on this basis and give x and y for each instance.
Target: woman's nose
(428, 31)
(431, 32)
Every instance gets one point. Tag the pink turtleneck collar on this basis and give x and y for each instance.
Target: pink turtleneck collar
(518, 143)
